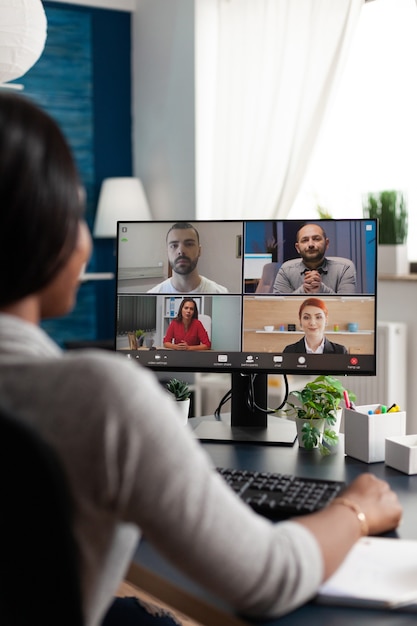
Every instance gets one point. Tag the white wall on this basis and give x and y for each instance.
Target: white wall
(163, 105)
(163, 101)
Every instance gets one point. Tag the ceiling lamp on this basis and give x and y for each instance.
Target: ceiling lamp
(23, 28)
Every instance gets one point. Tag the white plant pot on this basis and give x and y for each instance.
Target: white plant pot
(338, 427)
(318, 423)
(321, 425)
(184, 409)
(393, 259)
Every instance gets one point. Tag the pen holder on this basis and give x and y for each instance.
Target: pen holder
(365, 434)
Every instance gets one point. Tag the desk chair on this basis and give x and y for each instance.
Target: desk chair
(39, 581)
(206, 321)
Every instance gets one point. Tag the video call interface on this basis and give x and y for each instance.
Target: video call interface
(272, 296)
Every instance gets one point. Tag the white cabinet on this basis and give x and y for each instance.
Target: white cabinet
(397, 302)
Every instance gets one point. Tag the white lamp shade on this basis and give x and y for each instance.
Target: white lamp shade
(23, 29)
(121, 199)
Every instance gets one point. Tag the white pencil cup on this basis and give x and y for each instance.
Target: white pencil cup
(365, 434)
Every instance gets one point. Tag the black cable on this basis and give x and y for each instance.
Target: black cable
(250, 400)
(227, 396)
(271, 411)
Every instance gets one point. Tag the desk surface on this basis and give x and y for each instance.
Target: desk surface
(304, 463)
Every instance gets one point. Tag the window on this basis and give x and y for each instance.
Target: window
(369, 141)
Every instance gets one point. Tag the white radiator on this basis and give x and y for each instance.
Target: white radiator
(389, 384)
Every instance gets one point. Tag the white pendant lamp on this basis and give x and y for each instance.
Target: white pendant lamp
(23, 29)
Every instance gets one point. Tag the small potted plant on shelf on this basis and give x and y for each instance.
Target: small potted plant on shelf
(390, 208)
(318, 411)
(140, 337)
(182, 393)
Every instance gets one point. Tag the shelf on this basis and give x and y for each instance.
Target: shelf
(85, 278)
(408, 278)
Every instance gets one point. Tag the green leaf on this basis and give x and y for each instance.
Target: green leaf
(179, 389)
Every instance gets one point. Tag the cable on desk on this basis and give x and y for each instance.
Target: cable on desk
(250, 400)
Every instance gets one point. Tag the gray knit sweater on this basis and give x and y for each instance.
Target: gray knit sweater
(129, 462)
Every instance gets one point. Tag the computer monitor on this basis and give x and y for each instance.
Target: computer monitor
(262, 311)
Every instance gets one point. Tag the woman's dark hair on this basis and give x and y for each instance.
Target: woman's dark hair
(195, 314)
(41, 201)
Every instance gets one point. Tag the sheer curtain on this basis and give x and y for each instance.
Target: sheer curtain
(265, 73)
(368, 141)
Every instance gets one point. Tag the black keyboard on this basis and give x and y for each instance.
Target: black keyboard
(280, 496)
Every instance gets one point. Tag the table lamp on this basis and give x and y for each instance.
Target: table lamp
(120, 199)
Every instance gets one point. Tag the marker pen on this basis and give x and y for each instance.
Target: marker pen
(346, 398)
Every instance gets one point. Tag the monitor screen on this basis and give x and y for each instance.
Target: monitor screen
(248, 296)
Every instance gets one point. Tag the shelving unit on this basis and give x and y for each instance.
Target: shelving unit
(169, 311)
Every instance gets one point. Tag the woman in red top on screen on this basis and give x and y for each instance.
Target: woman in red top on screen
(186, 332)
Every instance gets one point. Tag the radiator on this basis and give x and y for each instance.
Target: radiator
(389, 384)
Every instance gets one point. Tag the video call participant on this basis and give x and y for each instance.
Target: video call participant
(184, 250)
(314, 272)
(116, 431)
(314, 317)
(186, 332)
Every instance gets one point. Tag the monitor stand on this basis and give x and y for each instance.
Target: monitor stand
(244, 425)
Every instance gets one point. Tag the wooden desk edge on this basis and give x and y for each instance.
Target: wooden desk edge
(179, 599)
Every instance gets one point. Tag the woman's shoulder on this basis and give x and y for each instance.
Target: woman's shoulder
(112, 382)
(103, 369)
(338, 348)
(298, 346)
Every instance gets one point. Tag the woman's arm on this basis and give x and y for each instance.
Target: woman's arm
(260, 568)
(203, 527)
(367, 506)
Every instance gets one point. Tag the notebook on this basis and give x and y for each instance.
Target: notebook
(378, 572)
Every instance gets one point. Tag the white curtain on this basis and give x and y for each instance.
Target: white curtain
(265, 73)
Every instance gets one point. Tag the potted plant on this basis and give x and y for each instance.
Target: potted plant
(390, 208)
(316, 412)
(182, 393)
(140, 337)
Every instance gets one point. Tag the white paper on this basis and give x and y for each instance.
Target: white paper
(378, 572)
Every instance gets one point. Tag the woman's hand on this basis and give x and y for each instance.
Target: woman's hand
(377, 501)
(182, 345)
(338, 526)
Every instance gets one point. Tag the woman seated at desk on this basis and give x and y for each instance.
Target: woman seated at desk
(186, 332)
(127, 462)
(314, 317)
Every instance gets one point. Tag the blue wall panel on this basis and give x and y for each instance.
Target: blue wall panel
(83, 80)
